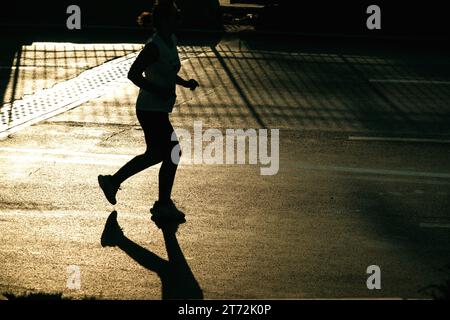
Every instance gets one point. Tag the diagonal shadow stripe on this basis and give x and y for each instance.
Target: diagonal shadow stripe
(239, 89)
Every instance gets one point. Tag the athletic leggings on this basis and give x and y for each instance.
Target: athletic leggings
(160, 148)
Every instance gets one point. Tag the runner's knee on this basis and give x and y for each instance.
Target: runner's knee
(152, 155)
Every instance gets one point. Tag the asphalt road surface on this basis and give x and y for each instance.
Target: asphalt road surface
(364, 175)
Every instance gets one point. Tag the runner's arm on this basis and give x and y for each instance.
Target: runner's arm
(148, 55)
(191, 84)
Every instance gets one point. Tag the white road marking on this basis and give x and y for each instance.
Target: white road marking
(63, 156)
(388, 172)
(418, 81)
(66, 153)
(76, 160)
(435, 225)
(17, 67)
(397, 139)
(388, 179)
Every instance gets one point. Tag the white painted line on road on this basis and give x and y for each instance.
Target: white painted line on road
(387, 172)
(17, 67)
(397, 139)
(401, 180)
(69, 157)
(76, 160)
(66, 153)
(418, 81)
(66, 156)
(435, 225)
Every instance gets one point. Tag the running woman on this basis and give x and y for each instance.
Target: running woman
(155, 72)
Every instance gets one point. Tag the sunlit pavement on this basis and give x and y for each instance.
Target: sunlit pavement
(364, 176)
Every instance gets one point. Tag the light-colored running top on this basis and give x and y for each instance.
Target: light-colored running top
(162, 73)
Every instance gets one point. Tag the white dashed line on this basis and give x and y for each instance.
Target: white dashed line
(62, 152)
(416, 81)
(18, 67)
(387, 172)
(63, 156)
(397, 139)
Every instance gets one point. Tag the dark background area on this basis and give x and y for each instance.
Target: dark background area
(399, 18)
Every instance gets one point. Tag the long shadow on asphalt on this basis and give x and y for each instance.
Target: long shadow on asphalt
(177, 279)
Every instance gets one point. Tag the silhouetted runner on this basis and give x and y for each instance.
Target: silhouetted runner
(160, 63)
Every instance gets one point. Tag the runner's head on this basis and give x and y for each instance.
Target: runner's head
(164, 17)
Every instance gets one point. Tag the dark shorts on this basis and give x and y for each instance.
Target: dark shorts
(157, 131)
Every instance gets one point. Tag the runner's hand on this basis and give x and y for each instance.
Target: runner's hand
(192, 84)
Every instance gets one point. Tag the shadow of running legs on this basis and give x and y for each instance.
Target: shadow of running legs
(177, 279)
